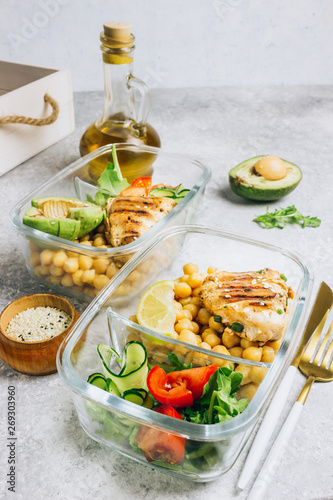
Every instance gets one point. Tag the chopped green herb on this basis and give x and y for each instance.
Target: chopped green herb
(224, 307)
(286, 301)
(281, 294)
(237, 327)
(260, 272)
(279, 311)
(282, 276)
(218, 319)
(283, 216)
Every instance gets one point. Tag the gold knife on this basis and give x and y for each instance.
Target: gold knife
(323, 304)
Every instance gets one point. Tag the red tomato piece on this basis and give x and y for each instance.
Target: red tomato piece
(178, 389)
(194, 379)
(133, 191)
(144, 182)
(161, 445)
(178, 396)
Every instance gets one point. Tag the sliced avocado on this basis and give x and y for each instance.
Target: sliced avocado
(67, 218)
(245, 182)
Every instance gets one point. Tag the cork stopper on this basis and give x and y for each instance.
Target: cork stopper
(117, 31)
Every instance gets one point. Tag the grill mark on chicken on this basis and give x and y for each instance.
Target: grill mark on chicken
(256, 300)
(128, 217)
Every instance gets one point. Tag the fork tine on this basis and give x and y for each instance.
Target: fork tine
(323, 346)
(315, 337)
(330, 349)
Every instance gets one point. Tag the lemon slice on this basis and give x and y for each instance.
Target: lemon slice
(155, 309)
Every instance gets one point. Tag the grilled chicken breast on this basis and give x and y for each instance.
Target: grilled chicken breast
(128, 217)
(258, 301)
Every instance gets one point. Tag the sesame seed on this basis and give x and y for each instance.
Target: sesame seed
(38, 323)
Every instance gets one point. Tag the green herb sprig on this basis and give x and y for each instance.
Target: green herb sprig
(283, 216)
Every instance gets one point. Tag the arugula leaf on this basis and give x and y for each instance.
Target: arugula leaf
(218, 403)
(173, 358)
(283, 216)
(111, 179)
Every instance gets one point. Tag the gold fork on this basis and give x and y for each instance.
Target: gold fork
(315, 370)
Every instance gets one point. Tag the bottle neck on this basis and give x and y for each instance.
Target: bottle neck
(119, 102)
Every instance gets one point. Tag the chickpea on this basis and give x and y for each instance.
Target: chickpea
(196, 301)
(180, 352)
(268, 354)
(192, 308)
(187, 314)
(35, 258)
(199, 339)
(135, 276)
(201, 359)
(207, 331)
(194, 280)
(89, 291)
(88, 243)
(245, 370)
(46, 257)
(111, 270)
(252, 353)
(71, 265)
(188, 336)
(183, 324)
(179, 315)
(33, 247)
(236, 351)
(177, 305)
(203, 316)
(99, 241)
(72, 254)
(247, 391)
(37, 271)
(77, 277)
(55, 280)
(67, 280)
(195, 291)
(248, 343)
(184, 279)
(182, 290)
(56, 271)
(230, 338)
(215, 325)
(100, 281)
(85, 262)
(59, 258)
(275, 345)
(44, 270)
(212, 339)
(221, 349)
(133, 336)
(101, 228)
(195, 327)
(190, 268)
(100, 265)
(185, 301)
(211, 269)
(88, 276)
(257, 374)
(86, 237)
(189, 358)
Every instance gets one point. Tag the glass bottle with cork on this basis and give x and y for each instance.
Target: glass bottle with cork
(125, 116)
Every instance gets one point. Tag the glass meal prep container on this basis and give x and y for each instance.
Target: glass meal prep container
(47, 256)
(210, 449)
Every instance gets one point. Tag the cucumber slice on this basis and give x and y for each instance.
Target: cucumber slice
(112, 388)
(136, 396)
(162, 191)
(134, 369)
(98, 380)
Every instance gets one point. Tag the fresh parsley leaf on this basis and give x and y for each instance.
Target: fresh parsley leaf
(173, 358)
(283, 216)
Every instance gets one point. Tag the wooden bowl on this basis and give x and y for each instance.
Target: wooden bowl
(33, 358)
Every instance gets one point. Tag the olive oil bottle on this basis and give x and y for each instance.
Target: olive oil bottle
(126, 108)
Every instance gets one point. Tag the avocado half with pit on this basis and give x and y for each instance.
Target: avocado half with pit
(67, 218)
(247, 182)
